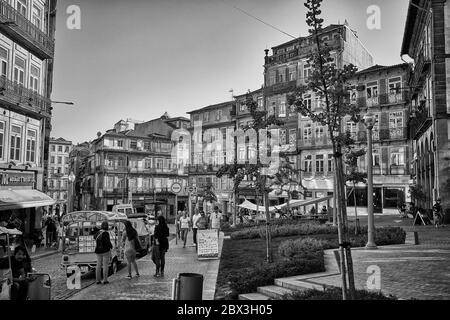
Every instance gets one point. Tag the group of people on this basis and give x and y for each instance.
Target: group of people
(200, 221)
(131, 243)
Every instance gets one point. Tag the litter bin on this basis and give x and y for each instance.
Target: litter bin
(189, 286)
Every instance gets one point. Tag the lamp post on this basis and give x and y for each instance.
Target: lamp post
(369, 121)
(71, 179)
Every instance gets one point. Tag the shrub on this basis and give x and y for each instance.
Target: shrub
(335, 293)
(306, 248)
(249, 279)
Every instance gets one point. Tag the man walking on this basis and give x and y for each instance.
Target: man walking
(195, 218)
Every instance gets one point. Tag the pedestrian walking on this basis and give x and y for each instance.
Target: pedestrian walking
(195, 218)
(215, 219)
(50, 229)
(184, 227)
(177, 224)
(437, 213)
(202, 221)
(103, 248)
(131, 242)
(160, 246)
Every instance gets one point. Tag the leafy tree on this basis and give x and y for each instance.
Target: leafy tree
(257, 171)
(208, 194)
(331, 86)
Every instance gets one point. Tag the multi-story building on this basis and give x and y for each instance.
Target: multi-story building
(289, 68)
(27, 30)
(426, 40)
(58, 173)
(78, 157)
(132, 163)
(209, 129)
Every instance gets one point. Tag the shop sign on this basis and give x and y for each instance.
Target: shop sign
(17, 178)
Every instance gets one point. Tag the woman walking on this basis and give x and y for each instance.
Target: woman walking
(184, 226)
(103, 248)
(130, 236)
(160, 246)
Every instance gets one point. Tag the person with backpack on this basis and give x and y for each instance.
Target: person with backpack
(131, 240)
(103, 248)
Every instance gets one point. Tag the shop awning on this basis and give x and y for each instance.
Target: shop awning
(251, 206)
(19, 199)
(301, 203)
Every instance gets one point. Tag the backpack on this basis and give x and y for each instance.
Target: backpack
(100, 243)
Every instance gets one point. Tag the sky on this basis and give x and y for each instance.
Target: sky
(140, 58)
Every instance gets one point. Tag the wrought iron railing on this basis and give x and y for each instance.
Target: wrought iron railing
(19, 94)
(12, 19)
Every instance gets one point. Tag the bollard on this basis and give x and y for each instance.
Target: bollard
(188, 286)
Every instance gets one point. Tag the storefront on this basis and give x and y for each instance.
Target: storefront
(21, 202)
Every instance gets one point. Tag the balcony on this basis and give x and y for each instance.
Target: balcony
(24, 32)
(16, 94)
(398, 133)
(396, 97)
(372, 102)
(419, 123)
(397, 169)
(282, 87)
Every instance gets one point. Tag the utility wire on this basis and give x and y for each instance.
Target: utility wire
(256, 18)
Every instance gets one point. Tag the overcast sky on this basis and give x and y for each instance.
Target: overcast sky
(139, 58)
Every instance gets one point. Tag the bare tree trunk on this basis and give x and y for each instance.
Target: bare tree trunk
(268, 233)
(343, 211)
(335, 202)
(356, 210)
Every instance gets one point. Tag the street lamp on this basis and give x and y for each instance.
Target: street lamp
(369, 122)
(71, 179)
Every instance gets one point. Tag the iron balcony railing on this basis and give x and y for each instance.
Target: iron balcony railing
(16, 93)
(25, 32)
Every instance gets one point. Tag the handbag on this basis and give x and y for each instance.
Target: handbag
(5, 294)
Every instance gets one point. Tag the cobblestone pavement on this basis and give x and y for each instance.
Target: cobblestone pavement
(146, 287)
(407, 271)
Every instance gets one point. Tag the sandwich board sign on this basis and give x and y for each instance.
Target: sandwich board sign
(208, 244)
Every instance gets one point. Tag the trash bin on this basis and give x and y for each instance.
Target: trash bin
(190, 286)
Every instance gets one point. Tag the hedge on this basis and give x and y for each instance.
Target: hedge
(335, 293)
(304, 246)
(249, 279)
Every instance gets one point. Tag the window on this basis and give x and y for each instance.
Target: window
(120, 143)
(206, 117)
(353, 94)
(53, 148)
(159, 163)
(306, 71)
(31, 146)
(4, 62)
(37, 16)
(2, 138)
(34, 78)
(282, 133)
(320, 132)
(307, 132)
(67, 150)
(307, 101)
(60, 148)
(372, 90)
(271, 80)
(350, 126)
(241, 153)
(242, 107)
(260, 102)
(22, 7)
(282, 109)
(219, 115)
(19, 70)
(396, 119)
(395, 85)
(292, 137)
(292, 74)
(319, 163)
(375, 157)
(330, 162)
(133, 144)
(308, 163)
(280, 77)
(397, 156)
(16, 140)
(59, 160)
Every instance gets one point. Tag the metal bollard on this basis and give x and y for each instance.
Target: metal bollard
(187, 286)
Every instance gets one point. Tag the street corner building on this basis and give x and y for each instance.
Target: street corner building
(27, 29)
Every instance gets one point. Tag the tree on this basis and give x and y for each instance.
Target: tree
(330, 85)
(353, 175)
(208, 194)
(256, 168)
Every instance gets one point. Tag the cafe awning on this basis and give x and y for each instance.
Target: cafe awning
(302, 203)
(25, 198)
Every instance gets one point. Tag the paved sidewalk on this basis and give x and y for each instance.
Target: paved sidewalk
(146, 287)
(407, 271)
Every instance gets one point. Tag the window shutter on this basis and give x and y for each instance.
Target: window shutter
(276, 76)
(287, 75)
(407, 163)
(383, 96)
(384, 125)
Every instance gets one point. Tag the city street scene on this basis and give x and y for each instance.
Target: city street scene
(227, 150)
